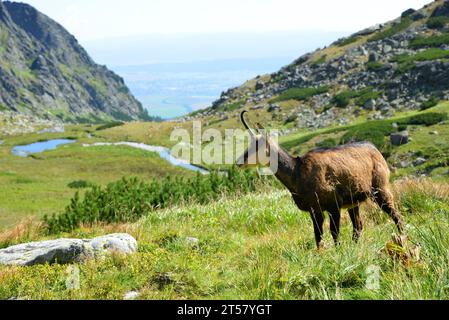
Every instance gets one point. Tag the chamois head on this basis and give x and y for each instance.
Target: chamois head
(259, 150)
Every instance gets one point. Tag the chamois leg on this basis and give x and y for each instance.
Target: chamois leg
(335, 225)
(384, 198)
(357, 223)
(318, 220)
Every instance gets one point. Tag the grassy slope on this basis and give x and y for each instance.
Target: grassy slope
(37, 185)
(267, 252)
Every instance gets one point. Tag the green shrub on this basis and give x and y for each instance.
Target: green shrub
(432, 41)
(343, 99)
(372, 131)
(394, 29)
(374, 66)
(80, 184)
(300, 94)
(432, 102)
(129, 199)
(425, 119)
(367, 94)
(437, 22)
(375, 131)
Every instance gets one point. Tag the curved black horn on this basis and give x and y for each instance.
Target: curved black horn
(242, 117)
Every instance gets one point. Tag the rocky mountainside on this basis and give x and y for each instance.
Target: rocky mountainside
(377, 72)
(44, 72)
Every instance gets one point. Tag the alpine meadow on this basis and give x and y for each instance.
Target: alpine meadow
(97, 204)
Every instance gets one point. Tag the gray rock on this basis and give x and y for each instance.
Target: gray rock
(373, 57)
(120, 243)
(28, 254)
(132, 295)
(64, 251)
(194, 242)
(399, 139)
(419, 162)
(404, 164)
(370, 105)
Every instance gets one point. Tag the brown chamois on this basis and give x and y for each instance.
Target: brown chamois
(330, 179)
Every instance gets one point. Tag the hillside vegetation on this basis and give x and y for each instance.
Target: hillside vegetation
(256, 246)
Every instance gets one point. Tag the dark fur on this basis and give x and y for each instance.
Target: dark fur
(331, 179)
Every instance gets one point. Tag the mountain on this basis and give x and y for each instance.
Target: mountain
(44, 72)
(377, 73)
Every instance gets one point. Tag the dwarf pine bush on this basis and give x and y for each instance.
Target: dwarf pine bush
(130, 198)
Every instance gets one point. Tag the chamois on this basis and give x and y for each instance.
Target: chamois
(329, 179)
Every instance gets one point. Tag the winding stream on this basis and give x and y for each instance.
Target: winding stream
(163, 152)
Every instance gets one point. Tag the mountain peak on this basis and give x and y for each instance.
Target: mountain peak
(45, 72)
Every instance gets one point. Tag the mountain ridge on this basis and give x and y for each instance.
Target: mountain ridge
(378, 72)
(45, 72)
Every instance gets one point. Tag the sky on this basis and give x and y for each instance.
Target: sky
(101, 19)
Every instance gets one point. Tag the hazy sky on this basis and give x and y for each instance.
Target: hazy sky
(97, 19)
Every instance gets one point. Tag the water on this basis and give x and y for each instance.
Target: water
(39, 147)
(164, 153)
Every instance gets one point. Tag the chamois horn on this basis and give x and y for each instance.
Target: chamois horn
(242, 117)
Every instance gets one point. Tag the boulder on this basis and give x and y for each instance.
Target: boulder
(407, 13)
(66, 251)
(419, 161)
(399, 139)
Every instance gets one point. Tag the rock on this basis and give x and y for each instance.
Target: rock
(404, 164)
(194, 242)
(369, 30)
(433, 133)
(273, 107)
(401, 138)
(259, 85)
(132, 295)
(370, 105)
(442, 10)
(419, 162)
(28, 254)
(120, 243)
(408, 12)
(65, 251)
(373, 57)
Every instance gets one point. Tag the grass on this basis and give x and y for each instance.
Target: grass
(437, 22)
(257, 246)
(420, 125)
(49, 174)
(432, 41)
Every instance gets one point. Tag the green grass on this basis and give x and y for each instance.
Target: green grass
(374, 66)
(437, 22)
(407, 62)
(431, 41)
(394, 29)
(50, 173)
(257, 246)
(421, 124)
(347, 41)
(300, 94)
